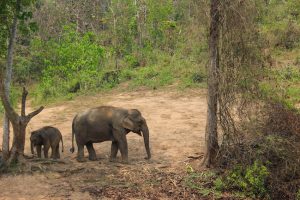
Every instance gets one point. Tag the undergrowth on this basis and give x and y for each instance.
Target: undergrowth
(238, 183)
(282, 85)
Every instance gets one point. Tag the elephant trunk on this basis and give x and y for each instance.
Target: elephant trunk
(145, 131)
(32, 149)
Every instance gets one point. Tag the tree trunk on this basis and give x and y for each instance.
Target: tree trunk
(9, 66)
(18, 146)
(19, 124)
(211, 135)
(115, 39)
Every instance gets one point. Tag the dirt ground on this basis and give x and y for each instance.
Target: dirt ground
(176, 122)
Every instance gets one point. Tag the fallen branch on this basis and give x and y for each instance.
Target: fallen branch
(196, 157)
(47, 161)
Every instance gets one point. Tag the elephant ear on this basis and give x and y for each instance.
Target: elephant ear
(128, 123)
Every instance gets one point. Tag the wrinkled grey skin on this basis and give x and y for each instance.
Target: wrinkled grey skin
(107, 123)
(48, 137)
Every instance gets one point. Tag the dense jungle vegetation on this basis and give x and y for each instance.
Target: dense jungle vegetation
(67, 48)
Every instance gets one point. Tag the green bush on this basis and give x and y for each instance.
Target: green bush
(297, 61)
(282, 86)
(200, 182)
(15, 98)
(298, 195)
(250, 180)
(132, 61)
(152, 76)
(73, 59)
(1, 108)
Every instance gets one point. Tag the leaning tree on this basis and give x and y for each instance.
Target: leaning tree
(10, 13)
(19, 123)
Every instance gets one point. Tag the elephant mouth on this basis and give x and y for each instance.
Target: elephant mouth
(137, 132)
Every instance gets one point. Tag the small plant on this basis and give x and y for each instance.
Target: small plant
(202, 182)
(198, 77)
(1, 108)
(298, 195)
(250, 180)
(297, 61)
(256, 177)
(132, 61)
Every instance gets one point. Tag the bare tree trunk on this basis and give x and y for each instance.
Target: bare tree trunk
(9, 66)
(211, 135)
(139, 19)
(115, 39)
(19, 124)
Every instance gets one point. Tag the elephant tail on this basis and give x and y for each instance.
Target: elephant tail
(73, 132)
(62, 145)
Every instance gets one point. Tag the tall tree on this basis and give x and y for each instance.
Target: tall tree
(19, 123)
(12, 11)
(211, 135)
(8, 76)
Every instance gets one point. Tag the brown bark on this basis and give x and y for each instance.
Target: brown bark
(211, 135)
(9, 66)
(19, 124)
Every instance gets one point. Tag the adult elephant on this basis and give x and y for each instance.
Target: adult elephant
(108, 123)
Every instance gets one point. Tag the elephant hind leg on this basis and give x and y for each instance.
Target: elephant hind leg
(55, 152)
(53, 147)
(80, 153)
(114, 151)
(91, 150)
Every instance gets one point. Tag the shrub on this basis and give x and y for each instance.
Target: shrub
(251, 180)
(202, 182)
(265, 162)
(73, 59)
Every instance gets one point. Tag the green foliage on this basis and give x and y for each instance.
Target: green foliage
(74, 58)
(1, 108)
(298, 195)
(162, 70)
(280, 22)
(199, 181)
(240, 182)
(282, 86)
(250, 180)
(160, 23)
(15, 98)
(144, 40)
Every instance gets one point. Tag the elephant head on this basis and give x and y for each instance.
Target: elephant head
(134, 122)
(35, 139)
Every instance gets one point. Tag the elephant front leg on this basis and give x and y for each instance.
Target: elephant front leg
(80, 153)
(114, 151)
(39, 151)
(122, 144)
(46, 149)
(120, 137)
(91, 150)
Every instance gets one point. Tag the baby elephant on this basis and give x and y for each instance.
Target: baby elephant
(47, 136)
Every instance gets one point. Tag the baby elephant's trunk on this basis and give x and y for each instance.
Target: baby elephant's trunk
(32, 149)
